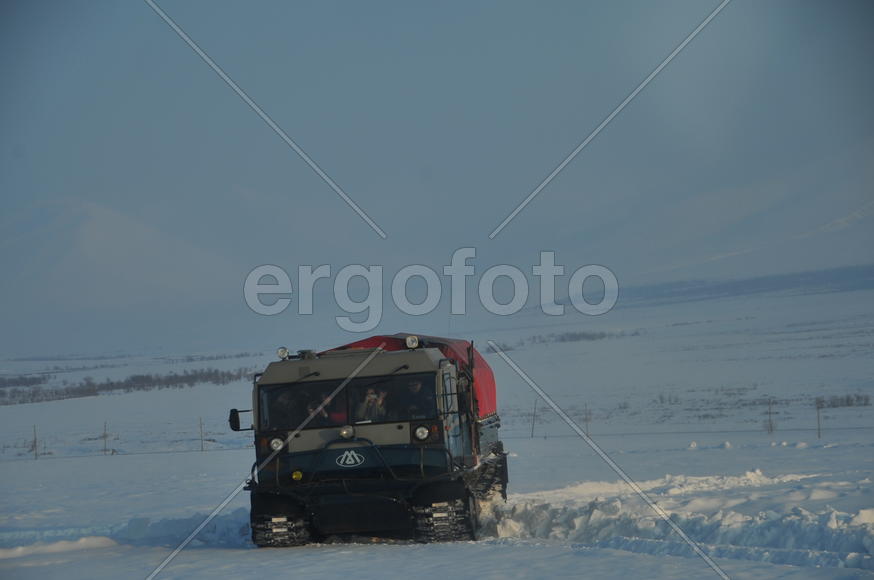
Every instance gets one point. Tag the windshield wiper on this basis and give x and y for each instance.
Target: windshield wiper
(384, 378)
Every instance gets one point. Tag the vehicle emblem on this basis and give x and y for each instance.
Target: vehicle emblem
(350, 458)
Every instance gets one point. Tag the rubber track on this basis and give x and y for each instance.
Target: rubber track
(448, 521)
(279, 531)
(488, 479)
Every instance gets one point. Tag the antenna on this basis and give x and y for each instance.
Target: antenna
(470, 359)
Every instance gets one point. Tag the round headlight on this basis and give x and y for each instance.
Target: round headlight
(282, 353)
(412, 341)
(347, 432)
(276, 444)
(421, 432)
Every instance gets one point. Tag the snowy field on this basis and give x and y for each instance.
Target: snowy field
(710, 406)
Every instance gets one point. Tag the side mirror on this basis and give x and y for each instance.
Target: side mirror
(234, 420)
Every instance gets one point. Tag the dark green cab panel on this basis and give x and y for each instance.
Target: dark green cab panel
(342, 364)
(355, 463)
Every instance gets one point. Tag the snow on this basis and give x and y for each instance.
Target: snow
(681, 407)
(485, 559)
(865, 516)
(86, 543)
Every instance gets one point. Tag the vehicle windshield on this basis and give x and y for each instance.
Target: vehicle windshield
(362, 400)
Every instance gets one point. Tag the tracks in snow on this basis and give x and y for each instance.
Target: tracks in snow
(596, 515)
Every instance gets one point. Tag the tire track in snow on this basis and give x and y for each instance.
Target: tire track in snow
(578, 517)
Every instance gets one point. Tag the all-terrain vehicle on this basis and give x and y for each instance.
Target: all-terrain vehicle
(392, 436)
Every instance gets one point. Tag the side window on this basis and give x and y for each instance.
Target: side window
(455, 429)
(466, 403)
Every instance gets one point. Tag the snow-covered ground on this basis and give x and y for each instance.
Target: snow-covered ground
(677, 394)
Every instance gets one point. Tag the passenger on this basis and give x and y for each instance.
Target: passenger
(319, 414)
(335, 408)
(372, 408)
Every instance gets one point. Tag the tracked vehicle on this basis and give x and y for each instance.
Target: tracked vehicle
(393, 436)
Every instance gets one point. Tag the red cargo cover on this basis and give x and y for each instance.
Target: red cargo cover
(454, 348)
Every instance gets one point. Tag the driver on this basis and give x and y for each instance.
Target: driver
(418, 403)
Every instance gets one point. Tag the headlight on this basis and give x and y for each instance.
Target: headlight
(282, 353)
(347, 432)
(276, 444)
(412, 341)
(421, 432)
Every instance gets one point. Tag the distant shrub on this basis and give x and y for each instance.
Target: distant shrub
(24, 380)
(88, 387)
(852, 400)
(211, 357)
(669, 399)
(579, 336)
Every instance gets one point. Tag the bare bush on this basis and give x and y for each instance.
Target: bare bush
(851, 400)
(24, 380)
(88, 387)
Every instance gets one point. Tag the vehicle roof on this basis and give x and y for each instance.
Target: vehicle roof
(334, 365)
(460, 350)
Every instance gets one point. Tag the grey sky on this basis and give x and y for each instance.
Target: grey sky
(139, 190)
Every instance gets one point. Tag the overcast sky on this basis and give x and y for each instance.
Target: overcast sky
(139, 189)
